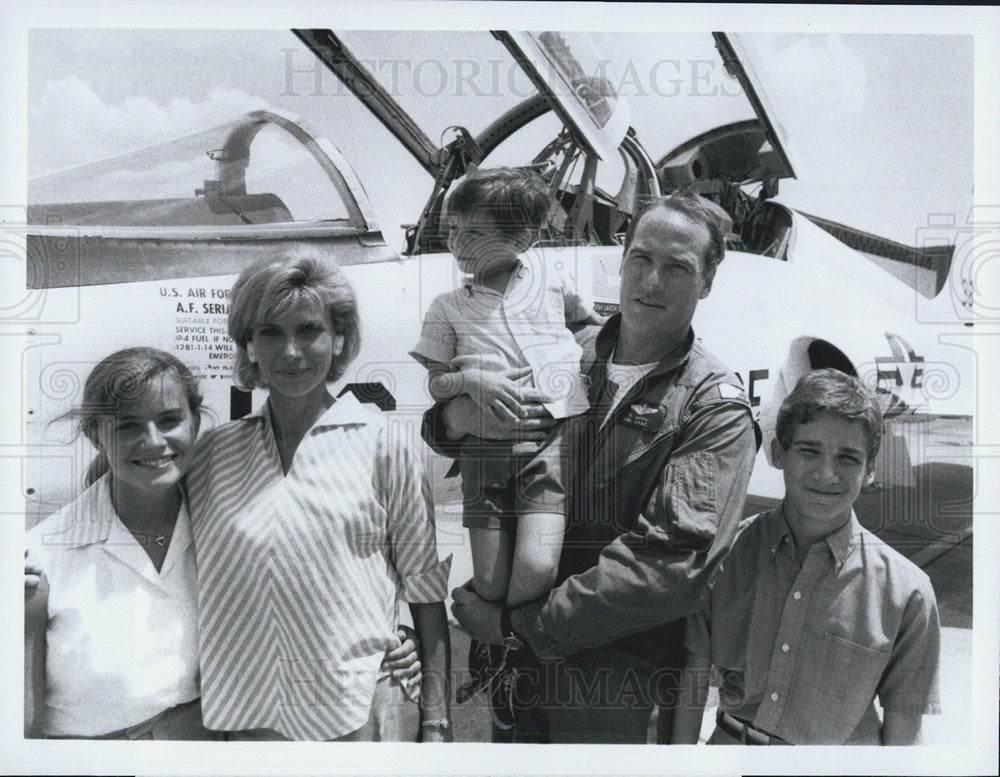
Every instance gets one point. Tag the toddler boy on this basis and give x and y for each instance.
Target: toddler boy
(511, 314)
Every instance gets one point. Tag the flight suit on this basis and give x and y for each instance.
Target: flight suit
(657, 495)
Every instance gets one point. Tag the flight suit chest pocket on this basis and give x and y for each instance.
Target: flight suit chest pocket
(640, 427)
(630, 458)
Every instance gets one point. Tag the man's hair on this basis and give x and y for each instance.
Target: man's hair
(693, 208)
(515, 198)
(830, 391)
(276, 284)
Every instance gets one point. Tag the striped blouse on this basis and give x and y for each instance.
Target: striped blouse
(299, 574)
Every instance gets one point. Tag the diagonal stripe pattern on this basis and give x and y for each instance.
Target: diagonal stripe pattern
(300, 573)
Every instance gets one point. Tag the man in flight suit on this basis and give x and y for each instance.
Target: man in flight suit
(661, 467)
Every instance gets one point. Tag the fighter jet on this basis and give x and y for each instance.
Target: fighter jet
(143, 247)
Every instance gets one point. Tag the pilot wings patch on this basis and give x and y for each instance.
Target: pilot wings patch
(645, 418)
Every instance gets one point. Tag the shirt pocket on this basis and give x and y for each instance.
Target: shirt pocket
(852, 669)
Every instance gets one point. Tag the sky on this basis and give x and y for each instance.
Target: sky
(879, 127)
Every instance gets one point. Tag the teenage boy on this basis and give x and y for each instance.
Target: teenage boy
(811, 617)
(512, 312)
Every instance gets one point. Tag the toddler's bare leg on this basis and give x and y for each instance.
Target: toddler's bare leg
(536, 556)
(492, 550)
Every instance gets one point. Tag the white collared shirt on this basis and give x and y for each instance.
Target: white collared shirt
(300, 572)
(122, 638)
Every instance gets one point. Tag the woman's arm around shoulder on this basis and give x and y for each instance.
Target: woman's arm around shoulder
(423, 579)
(36, 618)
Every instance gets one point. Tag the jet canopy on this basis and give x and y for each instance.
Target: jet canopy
(557, 97)
(260, 172)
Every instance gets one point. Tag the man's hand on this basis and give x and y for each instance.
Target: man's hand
(517, 414)
(498, 396)
(403, 661)
(479, 618)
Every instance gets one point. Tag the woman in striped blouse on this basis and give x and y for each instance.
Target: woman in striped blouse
(311, 518)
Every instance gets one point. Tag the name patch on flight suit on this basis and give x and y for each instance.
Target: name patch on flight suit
(645, 418)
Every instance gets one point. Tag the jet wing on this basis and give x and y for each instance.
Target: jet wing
(932, 257)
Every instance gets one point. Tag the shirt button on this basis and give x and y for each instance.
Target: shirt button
(784, 648)
(797, 595)
(774, 697)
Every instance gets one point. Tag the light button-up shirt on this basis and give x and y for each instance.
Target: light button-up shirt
(122, 638)
(802, 652)
(475, 327)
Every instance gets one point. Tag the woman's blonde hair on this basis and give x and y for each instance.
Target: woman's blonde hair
(275, 284)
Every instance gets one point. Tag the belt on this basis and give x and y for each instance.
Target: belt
(747, 734)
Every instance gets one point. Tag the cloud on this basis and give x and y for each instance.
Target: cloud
(72, 124)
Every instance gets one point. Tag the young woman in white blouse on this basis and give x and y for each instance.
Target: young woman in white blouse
(111, 620)
(112, 629)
